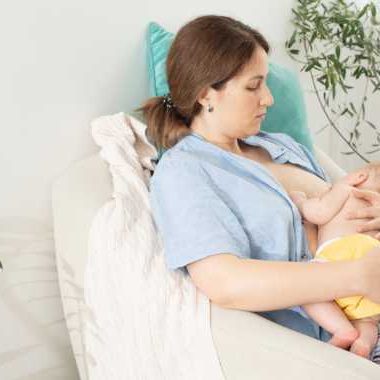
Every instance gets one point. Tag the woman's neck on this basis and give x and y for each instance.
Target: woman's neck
(226, 143)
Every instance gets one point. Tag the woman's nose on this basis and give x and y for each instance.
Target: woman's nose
(267, 98)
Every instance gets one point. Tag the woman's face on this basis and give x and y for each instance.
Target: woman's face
(240, 107)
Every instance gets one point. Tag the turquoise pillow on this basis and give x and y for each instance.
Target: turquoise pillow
(287, 115)
(158, 45)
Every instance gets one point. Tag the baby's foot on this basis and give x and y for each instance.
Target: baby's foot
(367, 339)
(344, 338)
(362, 348)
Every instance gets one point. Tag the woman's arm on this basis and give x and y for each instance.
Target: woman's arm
(259, 285)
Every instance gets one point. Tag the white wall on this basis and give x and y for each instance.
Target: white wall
(63, 64)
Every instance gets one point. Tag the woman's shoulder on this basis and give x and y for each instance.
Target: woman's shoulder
(176, 165)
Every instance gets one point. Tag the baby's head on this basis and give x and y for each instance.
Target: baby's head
(366, 177)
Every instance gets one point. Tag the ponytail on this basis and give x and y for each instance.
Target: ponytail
(165, 125)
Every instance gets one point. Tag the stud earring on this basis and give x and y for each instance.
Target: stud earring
(209, 108)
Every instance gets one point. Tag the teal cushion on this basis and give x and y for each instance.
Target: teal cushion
(158, 44)
(287, 115)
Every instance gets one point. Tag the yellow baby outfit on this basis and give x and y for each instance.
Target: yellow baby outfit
(351, 247)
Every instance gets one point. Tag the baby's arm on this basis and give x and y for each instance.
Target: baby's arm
(322, 209)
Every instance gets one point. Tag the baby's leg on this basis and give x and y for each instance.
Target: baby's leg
(330, 316)
(368, 336)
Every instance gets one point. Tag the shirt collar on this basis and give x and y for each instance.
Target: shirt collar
(262, 140)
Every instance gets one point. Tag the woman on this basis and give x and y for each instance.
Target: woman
(219, 193)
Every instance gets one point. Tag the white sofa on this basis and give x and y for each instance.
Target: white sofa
(248, 346)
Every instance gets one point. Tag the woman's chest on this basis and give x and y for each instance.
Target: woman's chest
(291, 177)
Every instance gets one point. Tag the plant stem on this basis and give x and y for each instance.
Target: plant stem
(327, 115)
(363, 101)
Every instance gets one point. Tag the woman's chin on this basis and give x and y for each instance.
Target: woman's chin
(256, 127)
(253, 128)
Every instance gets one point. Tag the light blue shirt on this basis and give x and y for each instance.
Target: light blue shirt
(206, 200)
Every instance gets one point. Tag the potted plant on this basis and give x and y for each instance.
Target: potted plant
(338, 43)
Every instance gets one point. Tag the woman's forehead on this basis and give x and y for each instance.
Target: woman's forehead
(257, 66)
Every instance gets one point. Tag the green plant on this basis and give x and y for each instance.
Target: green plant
(338, 44)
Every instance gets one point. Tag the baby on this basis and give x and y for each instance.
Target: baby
(354, 324)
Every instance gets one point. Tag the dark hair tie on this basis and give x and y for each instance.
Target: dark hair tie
(168, 102)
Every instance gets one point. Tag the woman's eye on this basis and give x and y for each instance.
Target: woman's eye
(255, 87)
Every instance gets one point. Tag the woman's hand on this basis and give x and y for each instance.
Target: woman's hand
(370, 214)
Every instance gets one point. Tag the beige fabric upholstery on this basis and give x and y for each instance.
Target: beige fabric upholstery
(330, 167)
(249, 346)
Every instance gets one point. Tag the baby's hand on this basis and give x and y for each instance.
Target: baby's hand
(298, 197)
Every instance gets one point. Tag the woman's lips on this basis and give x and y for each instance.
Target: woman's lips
(261, 116)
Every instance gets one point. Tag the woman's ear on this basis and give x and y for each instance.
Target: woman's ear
(204, 97)
(356, 178)
(207, 96)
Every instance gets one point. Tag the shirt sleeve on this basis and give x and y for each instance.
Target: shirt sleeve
(191, 215)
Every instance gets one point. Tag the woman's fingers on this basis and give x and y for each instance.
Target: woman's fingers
(364, 213)
(370, 196)
(370, 214)
(372, 225)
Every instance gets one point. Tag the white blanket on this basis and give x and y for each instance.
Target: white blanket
(146, 322)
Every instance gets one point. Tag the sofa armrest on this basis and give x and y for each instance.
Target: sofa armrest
(248, 345)
(330, 167)
(252, 347)
(77, 195)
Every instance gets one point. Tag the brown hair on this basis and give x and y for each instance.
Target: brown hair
(207, 51)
